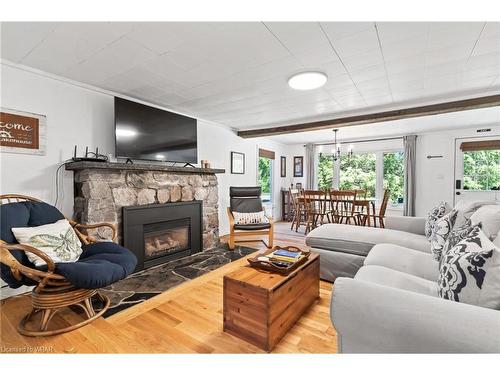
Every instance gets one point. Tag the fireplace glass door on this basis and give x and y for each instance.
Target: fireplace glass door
(166, 238)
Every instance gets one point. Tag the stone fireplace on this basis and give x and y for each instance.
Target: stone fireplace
(104, 191)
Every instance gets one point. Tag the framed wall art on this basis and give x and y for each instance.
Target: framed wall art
(283, 166)
(22, 132)
(237, 163)
(298, 166)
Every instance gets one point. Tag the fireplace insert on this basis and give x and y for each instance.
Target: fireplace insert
(158, 233)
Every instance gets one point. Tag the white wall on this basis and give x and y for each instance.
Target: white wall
(215, 144)
(74, 116)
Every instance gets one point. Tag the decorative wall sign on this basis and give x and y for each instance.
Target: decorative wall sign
(22, 132)
(298, 166)
(283, 166)
(237, 163)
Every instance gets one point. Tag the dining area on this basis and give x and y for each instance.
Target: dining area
(308, 209)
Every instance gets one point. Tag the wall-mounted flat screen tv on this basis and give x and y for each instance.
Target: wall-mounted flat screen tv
(147, 133)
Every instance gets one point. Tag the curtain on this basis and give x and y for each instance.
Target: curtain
(410, 145)
(310, 166)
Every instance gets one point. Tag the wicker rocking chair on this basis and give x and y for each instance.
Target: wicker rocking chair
(58, 285)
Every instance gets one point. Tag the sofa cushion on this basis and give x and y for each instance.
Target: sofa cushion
(402, 259)
(467, 208)
(359, 240)
(489, 217)
(396, 279)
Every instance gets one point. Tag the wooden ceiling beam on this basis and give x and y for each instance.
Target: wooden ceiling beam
(398, 114)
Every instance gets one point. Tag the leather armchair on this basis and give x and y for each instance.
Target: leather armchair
(247, 199)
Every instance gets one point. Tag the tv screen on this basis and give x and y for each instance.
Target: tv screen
(147, 133)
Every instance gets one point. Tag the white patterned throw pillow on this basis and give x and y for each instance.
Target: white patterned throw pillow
(440, 231)
(470, 271)
(58, 240)
(457, 234)
(437, 212)
(242, 218)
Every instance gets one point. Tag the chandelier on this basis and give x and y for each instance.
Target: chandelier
(336, 152)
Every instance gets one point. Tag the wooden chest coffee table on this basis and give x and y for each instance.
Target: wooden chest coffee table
(260, 307)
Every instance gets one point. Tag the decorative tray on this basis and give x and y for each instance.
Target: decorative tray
(267, 265)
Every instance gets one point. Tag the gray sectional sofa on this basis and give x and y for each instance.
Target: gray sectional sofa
(343, 248)
(385, 293)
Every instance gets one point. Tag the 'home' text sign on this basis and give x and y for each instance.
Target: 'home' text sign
(22, 132)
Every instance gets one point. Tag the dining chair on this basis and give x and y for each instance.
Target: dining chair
(295, 212)
(380, 216)
(343, 206)
(361, 193)
(315, 208)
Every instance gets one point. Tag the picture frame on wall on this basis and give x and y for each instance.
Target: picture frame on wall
(298, 166)
(237, 162)
(22, 132)
(283, 166)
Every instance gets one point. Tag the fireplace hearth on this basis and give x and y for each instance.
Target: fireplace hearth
(159, 233)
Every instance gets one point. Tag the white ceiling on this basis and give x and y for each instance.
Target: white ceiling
(236, 73)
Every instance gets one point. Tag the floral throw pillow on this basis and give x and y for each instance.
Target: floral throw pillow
(243, 218)
(440, 232)
(58, 240)
(434, 214)
(470, 271)
(457, 234)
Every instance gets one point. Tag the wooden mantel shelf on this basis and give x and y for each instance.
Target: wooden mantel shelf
(80, 165)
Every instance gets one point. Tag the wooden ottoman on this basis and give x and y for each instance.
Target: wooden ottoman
(260, 307)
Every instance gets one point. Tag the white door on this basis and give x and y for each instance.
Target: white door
(477, 173)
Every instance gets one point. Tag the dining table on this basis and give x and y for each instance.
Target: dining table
(368, 203)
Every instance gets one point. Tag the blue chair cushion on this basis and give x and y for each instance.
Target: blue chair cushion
(101, 264)
(19, 215)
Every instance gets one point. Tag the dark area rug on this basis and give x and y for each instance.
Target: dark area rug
(143, 285)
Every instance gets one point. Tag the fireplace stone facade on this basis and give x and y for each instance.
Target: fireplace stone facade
(102, 189)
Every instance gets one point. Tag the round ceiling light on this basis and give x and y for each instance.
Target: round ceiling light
(307, 80)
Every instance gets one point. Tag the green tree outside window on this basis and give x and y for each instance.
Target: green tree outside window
(358, 172)
(482, 170)
(394, 171)
(265, 177)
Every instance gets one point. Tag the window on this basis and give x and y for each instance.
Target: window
(325, 172)
(358, 172)
(372, 172)
(394, 171)
(482, 170)
(265, 178)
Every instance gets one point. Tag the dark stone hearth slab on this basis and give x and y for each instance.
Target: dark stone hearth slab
(190, 272)
(143, 285)
(216, 260)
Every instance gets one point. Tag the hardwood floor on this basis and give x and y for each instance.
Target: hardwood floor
(185, 319)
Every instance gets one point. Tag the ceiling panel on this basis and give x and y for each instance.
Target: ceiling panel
(236, 73)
